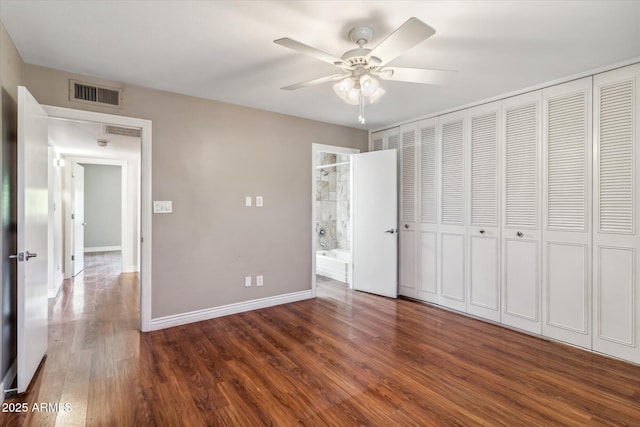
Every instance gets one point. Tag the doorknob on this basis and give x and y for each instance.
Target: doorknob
(519, 234)
(30, 255)
(481, 231)
(19, 256)
(406, 226)
(390, 231)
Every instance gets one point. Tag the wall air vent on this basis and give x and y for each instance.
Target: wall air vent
(118, 130)
(93, 94)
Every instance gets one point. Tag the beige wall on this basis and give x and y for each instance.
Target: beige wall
(11, 68)
(207, 156)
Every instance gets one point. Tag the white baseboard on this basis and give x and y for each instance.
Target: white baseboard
(8, 378)
(59, 281)
(102, 249)
(225, 310)
(131, 269)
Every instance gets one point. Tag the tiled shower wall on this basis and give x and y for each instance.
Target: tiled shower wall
(332, 195)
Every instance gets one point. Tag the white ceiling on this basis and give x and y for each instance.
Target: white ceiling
(224, 50)
(79, 139)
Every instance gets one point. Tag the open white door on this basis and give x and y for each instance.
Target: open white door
(375, 222)
(77, 180)
(33, 219)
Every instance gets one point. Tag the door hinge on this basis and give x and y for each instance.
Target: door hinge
(73, 257)
(141, 239)
(73, 216)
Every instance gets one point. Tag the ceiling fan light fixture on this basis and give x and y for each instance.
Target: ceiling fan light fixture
(368, 85)
(376, 95)
(343, 87)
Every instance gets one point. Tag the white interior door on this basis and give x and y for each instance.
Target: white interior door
(407, 229)
(452, 231)
(375, 222)
(77, 179)
(33, 220)
(566, 212)
(483, 216)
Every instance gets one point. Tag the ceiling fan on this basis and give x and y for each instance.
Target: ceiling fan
(360, 66)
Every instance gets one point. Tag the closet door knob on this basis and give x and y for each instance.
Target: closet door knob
(481, 231)
(519, 234)
(406, 226)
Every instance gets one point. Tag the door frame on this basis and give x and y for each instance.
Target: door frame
(145, 193)
(125, 242)
(323, 148)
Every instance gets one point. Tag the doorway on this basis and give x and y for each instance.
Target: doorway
(331, 214)
(140, 179)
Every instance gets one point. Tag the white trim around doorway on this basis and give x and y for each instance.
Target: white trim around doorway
(145, 194)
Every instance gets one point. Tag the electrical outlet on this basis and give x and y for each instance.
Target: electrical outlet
(259, 201)
(247, 281)
(259, 281)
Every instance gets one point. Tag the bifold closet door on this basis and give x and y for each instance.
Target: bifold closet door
(521, 235)
(428, 173)
(452, 229)
(408, 208)
(483, 199)
(377, 141)
(616, 243)
(566, 207)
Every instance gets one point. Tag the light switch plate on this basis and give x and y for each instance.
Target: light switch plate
(259, 201)
(162, 206)
(247, 201)
(247, 281)
(259, 280)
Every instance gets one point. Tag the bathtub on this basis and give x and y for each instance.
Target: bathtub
(334, 264)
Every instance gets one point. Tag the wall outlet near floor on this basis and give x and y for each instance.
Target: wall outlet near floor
(247, 281)
(259, 280)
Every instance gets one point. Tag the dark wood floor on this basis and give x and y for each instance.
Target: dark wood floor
(344, 358)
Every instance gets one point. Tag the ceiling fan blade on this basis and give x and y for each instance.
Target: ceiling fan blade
(404, 38)
(311, 51)
(417, 75)
(321, 80)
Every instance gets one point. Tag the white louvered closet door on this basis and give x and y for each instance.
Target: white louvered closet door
(377, 141)
(483, 199)
(452, 224)
(428, 173)
(392, 139)
(521, 171)
(616, 243)
(408, 209)
(566, 212)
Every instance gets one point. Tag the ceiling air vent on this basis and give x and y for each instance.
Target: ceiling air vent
(94, 94)
(118, 130)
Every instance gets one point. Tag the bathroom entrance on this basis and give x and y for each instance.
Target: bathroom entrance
(332, 222)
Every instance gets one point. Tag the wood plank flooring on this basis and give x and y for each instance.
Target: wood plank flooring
(342, 359)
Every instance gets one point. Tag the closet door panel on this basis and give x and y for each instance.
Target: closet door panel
(567, 298)
(566, 234)
(521, 262)
(483, 199)
(408, 210)
(521, 154)
(616, 274)
(428, 207)
(452, 218)
(484, 283)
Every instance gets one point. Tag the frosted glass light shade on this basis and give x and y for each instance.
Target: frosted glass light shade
(368, 85)
(343, 87)
(376, 95)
